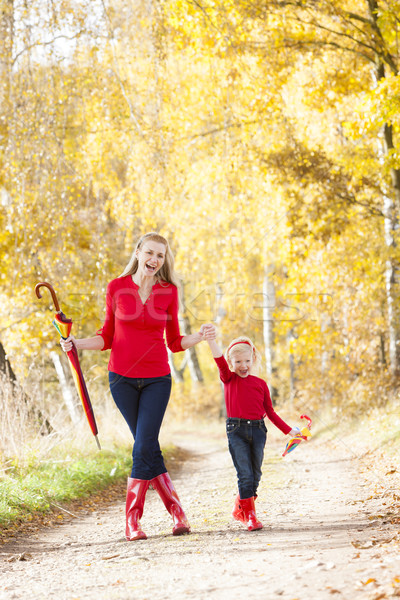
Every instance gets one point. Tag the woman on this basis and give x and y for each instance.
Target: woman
(141, 304)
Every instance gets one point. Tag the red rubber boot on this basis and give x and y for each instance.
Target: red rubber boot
(135, 496)
(237, 512)
(249, 510)
(168, 495)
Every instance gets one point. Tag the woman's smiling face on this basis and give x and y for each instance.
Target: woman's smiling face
(151, 257)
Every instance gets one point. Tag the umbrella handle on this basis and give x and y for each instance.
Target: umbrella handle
(52, 292)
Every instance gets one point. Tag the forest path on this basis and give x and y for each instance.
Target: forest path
(320, 539)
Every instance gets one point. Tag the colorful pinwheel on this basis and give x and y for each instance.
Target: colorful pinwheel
(304, 434)
(63, 326)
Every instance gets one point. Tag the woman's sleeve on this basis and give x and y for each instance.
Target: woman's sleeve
(173, 334)
(225, 373)
(107, 331)
(271, 414)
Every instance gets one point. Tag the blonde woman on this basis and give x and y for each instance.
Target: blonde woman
(142, 304)
(247, 402)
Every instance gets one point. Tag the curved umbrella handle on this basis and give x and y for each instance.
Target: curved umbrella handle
(52, 292)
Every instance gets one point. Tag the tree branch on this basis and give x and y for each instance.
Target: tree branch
(48, 43)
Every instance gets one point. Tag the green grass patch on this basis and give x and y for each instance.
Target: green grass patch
(37, 487)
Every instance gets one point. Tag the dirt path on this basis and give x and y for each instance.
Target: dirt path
(320, 539)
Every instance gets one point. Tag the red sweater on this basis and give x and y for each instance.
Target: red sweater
(247, 397)
(135, 331)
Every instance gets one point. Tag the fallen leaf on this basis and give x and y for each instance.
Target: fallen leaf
(370, 580)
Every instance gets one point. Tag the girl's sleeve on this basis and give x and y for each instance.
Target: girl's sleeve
(107, 331)
(173, 334)
(225, 373)
(271, 414)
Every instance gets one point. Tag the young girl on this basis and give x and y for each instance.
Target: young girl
(247, 402)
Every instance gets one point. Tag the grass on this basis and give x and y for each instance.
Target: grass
(37, 488)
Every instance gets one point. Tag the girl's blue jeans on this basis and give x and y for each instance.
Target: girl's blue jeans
(143, 403)
(246, 442)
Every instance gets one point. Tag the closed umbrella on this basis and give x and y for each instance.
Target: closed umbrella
(63, 326)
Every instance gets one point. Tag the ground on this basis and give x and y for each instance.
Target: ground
(324, 534)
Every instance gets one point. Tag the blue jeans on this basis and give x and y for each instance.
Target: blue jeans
(246, 442)
(143, 403)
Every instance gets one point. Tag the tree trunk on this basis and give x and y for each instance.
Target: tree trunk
(193, 361)
(7, 40)
(177, 374)
(291, 338)
(269, 299)
(391, 204)
(7, 371)
(5, 366)
(67, 393)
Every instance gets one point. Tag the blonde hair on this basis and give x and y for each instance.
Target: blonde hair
(167, 271)
(238, 345)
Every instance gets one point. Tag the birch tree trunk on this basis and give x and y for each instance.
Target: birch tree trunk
(67, 394)
(269, 299)
(191, 353)
(292, 366)
(391, 207)
(391, 204)
(177, 373)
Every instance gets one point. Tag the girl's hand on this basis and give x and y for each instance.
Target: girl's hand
(67, 344)
(295, 431)
(208, 331)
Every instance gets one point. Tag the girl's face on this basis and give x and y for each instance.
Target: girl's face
(151, 257)
(241, 362)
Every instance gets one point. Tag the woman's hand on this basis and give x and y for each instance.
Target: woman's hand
(208, 331)
(92, 343)
(68, 343)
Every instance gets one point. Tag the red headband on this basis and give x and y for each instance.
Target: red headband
(244, 342)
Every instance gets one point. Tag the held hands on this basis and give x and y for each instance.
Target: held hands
(208, 331)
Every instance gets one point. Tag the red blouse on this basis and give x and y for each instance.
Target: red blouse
(135, 330)
(247, 397)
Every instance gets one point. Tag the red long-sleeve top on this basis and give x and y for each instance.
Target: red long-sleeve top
(135, 330)
(247, 397)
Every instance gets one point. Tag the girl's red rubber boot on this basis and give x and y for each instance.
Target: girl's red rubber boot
(135, 496)
(250, 518)
(168, 495)
(237, 512)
